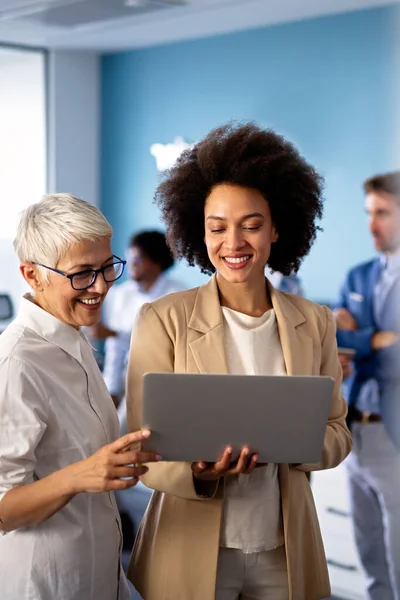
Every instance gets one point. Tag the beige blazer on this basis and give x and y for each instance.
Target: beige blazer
(176, 551)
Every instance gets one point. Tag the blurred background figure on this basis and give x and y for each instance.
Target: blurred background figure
(285, 283)
(368, 320)
(148, 260)
(346, 362)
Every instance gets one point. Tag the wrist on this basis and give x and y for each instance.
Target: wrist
(375, 340)
(69, 481)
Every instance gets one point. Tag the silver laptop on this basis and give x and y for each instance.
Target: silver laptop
(194, 417)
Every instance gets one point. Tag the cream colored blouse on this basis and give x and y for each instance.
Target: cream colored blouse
(252, 520)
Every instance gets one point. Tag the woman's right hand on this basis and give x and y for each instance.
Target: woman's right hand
(103, 471)
(211, 472)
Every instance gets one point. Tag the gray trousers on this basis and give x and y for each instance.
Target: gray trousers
(255, 576)
(373, 469)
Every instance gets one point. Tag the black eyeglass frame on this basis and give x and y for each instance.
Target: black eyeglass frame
(95, 273)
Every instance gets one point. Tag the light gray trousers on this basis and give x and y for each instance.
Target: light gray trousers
(373, 469)
(255, 576)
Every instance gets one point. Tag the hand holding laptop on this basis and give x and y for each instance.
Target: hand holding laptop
(245, 464)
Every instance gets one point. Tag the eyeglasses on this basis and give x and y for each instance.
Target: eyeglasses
(85, 279)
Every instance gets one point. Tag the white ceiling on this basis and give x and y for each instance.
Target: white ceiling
(111, 25)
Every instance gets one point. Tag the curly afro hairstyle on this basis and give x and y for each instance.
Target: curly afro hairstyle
(245, 155)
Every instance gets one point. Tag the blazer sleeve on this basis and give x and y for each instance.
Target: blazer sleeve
(337, 442)
(152, 351)
(360, 339)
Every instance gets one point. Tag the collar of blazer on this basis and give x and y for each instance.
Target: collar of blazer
(207, 319)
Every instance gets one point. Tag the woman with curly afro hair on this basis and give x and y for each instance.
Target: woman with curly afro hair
(240, 199)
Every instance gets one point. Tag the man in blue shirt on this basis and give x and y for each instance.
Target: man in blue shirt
(368, 320)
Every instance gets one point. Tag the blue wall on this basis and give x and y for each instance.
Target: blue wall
(329, 84)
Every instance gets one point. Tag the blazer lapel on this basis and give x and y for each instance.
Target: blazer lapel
(209, 352)
(207, 331)
(372, 279)
(297, 346)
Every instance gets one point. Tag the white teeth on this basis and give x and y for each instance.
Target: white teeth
(91, 301)
(237, 260)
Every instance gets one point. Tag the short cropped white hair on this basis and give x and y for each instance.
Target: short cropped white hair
(48, 228)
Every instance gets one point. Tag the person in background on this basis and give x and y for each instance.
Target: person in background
(346, 362)
(285, 283)
(148, 260)
(239, 200)
(60, 455)
(368, 320)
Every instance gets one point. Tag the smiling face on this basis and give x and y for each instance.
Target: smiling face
(57, 297)
(238, 232)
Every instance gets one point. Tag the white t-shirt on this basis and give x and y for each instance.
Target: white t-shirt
(252, 520)
(55, 410)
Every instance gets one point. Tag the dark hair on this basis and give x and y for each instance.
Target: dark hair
(251, 157)
(154, 245)
(388, 183)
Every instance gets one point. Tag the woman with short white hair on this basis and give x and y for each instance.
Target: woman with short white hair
(60, 459)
